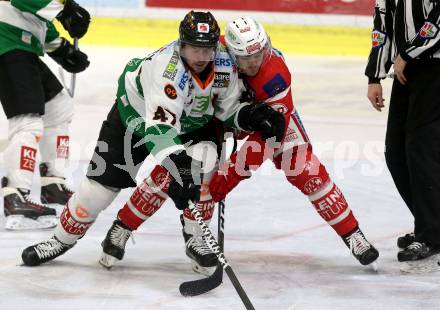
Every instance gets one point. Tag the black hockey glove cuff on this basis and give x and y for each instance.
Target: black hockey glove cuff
(73, 61)
(186, 173)
(74, 18)
(261, 117)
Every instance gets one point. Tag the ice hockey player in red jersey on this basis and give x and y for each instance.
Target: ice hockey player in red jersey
(268, 80)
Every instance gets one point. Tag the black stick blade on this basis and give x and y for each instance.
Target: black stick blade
(201, 286)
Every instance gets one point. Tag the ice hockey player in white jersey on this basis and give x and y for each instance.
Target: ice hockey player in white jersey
(37, 108)
(165, 103)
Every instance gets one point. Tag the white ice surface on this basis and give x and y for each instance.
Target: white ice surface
(280, 249)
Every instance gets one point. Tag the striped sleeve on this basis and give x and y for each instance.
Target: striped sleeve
(379, 61)
(46, 9)
(427, 39)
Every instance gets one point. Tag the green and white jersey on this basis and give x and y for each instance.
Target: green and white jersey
(27, 24)
(159, 98)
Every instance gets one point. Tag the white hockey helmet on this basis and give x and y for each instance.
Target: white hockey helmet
(245, 37)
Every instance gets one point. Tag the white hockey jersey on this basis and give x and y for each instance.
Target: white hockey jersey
(159, 98)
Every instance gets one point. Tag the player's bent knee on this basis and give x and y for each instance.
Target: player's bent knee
(90, 199)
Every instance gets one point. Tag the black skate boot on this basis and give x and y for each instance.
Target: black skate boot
(361, 249)
(22, 212)
(416, 251)
(113, 246)
(44, 251)
(404, 241)
(54, 191)
(196, 248)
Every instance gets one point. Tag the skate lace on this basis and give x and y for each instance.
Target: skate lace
(34, 203)
(49, 248)
(119, 236)
(358, 243)
(415, 246)
(199, 245)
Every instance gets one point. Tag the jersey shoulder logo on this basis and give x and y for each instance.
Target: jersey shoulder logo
(428, 30)
(276, 85)
(378, 38)
(170, 91)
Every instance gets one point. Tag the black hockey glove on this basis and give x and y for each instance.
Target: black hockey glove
(261, 117)
(71, 60)
(74, 18)
(186, 173)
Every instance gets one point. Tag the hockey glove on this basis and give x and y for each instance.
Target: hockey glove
(73, 61)
(74, 18)
(262, 118)
(186, 173)
(225, 180)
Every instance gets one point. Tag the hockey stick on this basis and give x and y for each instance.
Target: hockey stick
(70, 90)
(204, 285)
(214, 246)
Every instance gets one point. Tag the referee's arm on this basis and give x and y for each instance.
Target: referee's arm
(379, 61)
(427, 40)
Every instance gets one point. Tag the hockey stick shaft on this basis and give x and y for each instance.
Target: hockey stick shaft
(214, 246)
(71, 88)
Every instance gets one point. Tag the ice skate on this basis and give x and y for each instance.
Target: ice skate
(196, 248)
(113, 246)
(417, 251)
(54, 191)
(44, 251)
(22, 212)
(361, 249)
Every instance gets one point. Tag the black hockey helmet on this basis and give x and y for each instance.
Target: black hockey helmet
(199, 29)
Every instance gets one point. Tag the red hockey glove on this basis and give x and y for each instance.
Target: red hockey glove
(225, 180)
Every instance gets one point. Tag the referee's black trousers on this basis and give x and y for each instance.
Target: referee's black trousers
(412, 150)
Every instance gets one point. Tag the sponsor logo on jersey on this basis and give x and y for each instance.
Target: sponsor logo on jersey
(378, 38)
(223, 62)
(276, 85)
(203, 27)
(428, 30)
(170, 91)
(62, 146)
(221, 79)
(183, 80)
(254, 47)
(202, 104)
(27, 158)
(171, 69)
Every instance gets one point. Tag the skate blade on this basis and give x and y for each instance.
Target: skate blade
(374, 266)
(107, 261)
(20, 222)
(206, 271)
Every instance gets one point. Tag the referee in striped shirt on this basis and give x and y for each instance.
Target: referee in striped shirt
(406, 34)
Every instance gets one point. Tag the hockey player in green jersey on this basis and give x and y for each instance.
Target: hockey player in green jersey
(37, 108)
(164, 107)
